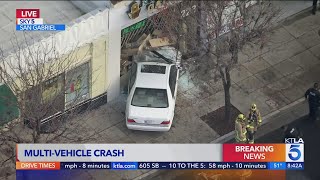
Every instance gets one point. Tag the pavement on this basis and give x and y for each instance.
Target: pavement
(311, 147)
(275, 78)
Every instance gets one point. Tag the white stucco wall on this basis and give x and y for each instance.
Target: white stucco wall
(113, 65)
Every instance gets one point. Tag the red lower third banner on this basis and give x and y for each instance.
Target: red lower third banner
(254, 152)
(37, 165)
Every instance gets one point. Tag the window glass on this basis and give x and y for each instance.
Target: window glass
(77, 85)
(154, 98)
(173, 79)
(153, 69)
(52, 88)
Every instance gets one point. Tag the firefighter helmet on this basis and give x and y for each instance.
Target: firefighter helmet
(253, 107)
(241, 117)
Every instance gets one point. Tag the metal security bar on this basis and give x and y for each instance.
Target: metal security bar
(133, 32)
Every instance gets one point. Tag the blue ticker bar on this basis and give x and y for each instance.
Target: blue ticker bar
(163, 165)
(124, 165)
(203, 165)
(40, 27)
(181, 165)
(277, 165)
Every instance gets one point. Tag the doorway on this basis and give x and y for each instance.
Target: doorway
(134, 40)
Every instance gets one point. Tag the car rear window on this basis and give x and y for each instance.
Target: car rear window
(153, 69)
(146, 97)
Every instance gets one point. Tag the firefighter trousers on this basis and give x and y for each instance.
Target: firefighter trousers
(251, 137)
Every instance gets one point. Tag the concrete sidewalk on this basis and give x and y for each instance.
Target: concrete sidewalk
(275, 78)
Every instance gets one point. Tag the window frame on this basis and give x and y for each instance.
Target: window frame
(133, 75)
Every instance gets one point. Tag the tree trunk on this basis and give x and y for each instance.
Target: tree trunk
(227, 103)
(36, 132)
(226, 80)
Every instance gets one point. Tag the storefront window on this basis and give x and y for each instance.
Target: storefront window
(77, 85)
(53, 95)
(52, 88)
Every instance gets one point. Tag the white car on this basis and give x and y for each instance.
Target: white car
(152, 90)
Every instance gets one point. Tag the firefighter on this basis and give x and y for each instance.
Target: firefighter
(254, 121)
(240, 129)
(313, 96)
(255, 116)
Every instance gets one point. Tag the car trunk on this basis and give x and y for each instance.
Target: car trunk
(149, 115)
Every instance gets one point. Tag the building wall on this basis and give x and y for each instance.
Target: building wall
(85, 40)
(99, 66)
(114, 63)
(95, 53)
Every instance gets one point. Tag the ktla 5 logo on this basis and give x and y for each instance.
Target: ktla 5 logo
(294, 153)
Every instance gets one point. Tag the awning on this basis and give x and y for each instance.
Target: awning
(8, 105)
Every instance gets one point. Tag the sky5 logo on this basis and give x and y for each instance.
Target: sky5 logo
(27, 21)
(294, 153)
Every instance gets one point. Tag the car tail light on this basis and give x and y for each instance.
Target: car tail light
(165, 122)
(130, 121)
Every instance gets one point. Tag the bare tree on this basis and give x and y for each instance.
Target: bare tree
(211, 34)
(35, 73)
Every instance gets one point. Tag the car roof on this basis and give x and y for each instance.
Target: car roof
(152, 80)
(148, 57)
(164, 56)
